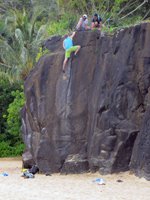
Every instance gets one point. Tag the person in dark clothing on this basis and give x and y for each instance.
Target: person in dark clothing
(96, 22)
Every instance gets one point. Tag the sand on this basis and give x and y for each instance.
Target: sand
(69, 187)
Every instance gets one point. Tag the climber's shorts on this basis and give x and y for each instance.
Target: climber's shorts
(69, 51)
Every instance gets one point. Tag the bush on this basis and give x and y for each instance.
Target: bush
(6, 150)
(13, 117)
(10, 141)
(6, 98)
(63, 25)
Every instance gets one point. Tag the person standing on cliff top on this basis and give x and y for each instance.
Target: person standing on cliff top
(69, 48)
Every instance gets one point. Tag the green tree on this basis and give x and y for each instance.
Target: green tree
(19, 43)
(11, 101)
(13, 117)
(5, 99)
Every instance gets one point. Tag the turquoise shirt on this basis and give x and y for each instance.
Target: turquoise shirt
(68, 43)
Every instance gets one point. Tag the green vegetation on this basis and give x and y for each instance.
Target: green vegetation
(11, 102)
(19, 43)
(24, 24)
(8, 151)
(41, 53)
(13, 117)
(65, 24)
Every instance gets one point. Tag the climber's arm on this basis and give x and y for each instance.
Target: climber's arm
(73, 34)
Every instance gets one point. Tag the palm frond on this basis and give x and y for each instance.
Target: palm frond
(19, 37)
(24, 55)
(40, 33)
(8, 54)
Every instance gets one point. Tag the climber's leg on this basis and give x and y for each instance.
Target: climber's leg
(64, 64)
(78, 47)
(67, 56)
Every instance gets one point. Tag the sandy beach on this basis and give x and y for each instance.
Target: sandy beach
(69, 187)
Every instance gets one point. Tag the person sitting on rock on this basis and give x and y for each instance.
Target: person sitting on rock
(69, 48)
(96, 22)
(82, 24)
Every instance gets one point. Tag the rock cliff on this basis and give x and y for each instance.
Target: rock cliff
(97, 119)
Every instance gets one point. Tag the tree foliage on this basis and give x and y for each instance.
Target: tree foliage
(13, 117)
(6, 98)
(19, 43)
(11, 101)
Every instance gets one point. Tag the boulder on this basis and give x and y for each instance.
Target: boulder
(100, 111)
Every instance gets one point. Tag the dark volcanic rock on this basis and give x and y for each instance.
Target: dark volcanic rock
(75, 164)
(93, 119)
(28, 161)
(140, 160)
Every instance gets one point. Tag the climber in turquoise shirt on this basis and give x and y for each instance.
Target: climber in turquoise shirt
(69, 48)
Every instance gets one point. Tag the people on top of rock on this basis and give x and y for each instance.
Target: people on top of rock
(82, 24)
(96, 22)
(69, 48)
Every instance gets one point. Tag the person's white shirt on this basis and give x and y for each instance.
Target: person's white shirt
(82, 23)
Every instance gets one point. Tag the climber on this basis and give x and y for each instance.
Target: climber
(96, 22)
(82, 24)
(69, 48)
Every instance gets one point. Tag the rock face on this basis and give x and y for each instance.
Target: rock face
(99, 117)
